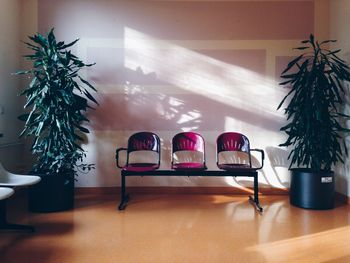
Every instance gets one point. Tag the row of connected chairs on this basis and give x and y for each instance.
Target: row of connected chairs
(229, 142)
(8, 182)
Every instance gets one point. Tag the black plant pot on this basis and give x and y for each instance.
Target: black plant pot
(312, 190)
(52, 194)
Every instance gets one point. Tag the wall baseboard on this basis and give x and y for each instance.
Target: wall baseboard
(342, 198)
(192, 190)
(178, 190)
(105, 191)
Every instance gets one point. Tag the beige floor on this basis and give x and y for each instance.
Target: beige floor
(182, 228)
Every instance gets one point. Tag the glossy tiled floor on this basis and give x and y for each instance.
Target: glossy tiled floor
(182, 228)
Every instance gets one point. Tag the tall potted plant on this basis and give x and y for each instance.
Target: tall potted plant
(57, 98)
(316, 124)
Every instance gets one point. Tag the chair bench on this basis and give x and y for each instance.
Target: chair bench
(189, 141)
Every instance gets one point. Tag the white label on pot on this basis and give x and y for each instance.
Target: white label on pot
(326, 180)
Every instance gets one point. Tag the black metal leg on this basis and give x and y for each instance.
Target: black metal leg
(5, 226)
(124, 198)
(255, 200)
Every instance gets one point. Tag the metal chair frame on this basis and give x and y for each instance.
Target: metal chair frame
(248, 172)
(141, 141)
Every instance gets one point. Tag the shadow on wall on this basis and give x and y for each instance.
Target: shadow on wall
(342, 170)
(279, 161)
(159, 85)
(136, 109)
(249, 183)
(12, 156)
(243, 159)
(165, 87)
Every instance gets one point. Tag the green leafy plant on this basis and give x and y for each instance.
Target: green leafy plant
(57, 98)
(316, 125)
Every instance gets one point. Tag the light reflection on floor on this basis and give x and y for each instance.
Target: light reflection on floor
(181, 228)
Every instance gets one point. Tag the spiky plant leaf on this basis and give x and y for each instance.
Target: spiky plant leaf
(57, 100)
(317, 89)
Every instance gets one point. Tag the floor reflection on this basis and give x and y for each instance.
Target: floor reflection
(182, 228)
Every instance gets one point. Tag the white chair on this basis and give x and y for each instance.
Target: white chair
(5, 193)
(8, 180)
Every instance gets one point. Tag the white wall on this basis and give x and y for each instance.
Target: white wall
(9, 84)
(17, 17)
(9, 49)
(164, 66)
(339, 29)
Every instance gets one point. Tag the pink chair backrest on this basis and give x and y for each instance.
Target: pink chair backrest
(232, 141)
(144, 141)
(188, 141)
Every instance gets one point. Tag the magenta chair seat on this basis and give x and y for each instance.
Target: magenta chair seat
(141, 167)
(189, 166)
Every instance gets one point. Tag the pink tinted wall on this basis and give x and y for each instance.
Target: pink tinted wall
(171, 66)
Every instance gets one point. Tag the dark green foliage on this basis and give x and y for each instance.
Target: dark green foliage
(57, 98)
(315, 123)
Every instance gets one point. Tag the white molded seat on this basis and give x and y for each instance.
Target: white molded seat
(8, 180)
(5, 192)
(12, 180)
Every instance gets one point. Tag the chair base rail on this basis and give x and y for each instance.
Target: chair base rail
(242, 172)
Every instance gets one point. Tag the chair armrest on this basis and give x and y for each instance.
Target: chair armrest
(117, 156)
(262, 156)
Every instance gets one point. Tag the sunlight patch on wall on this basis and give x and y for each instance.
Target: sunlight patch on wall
(226, 83)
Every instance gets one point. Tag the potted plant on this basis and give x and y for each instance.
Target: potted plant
(316, 124)
(57, 99)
